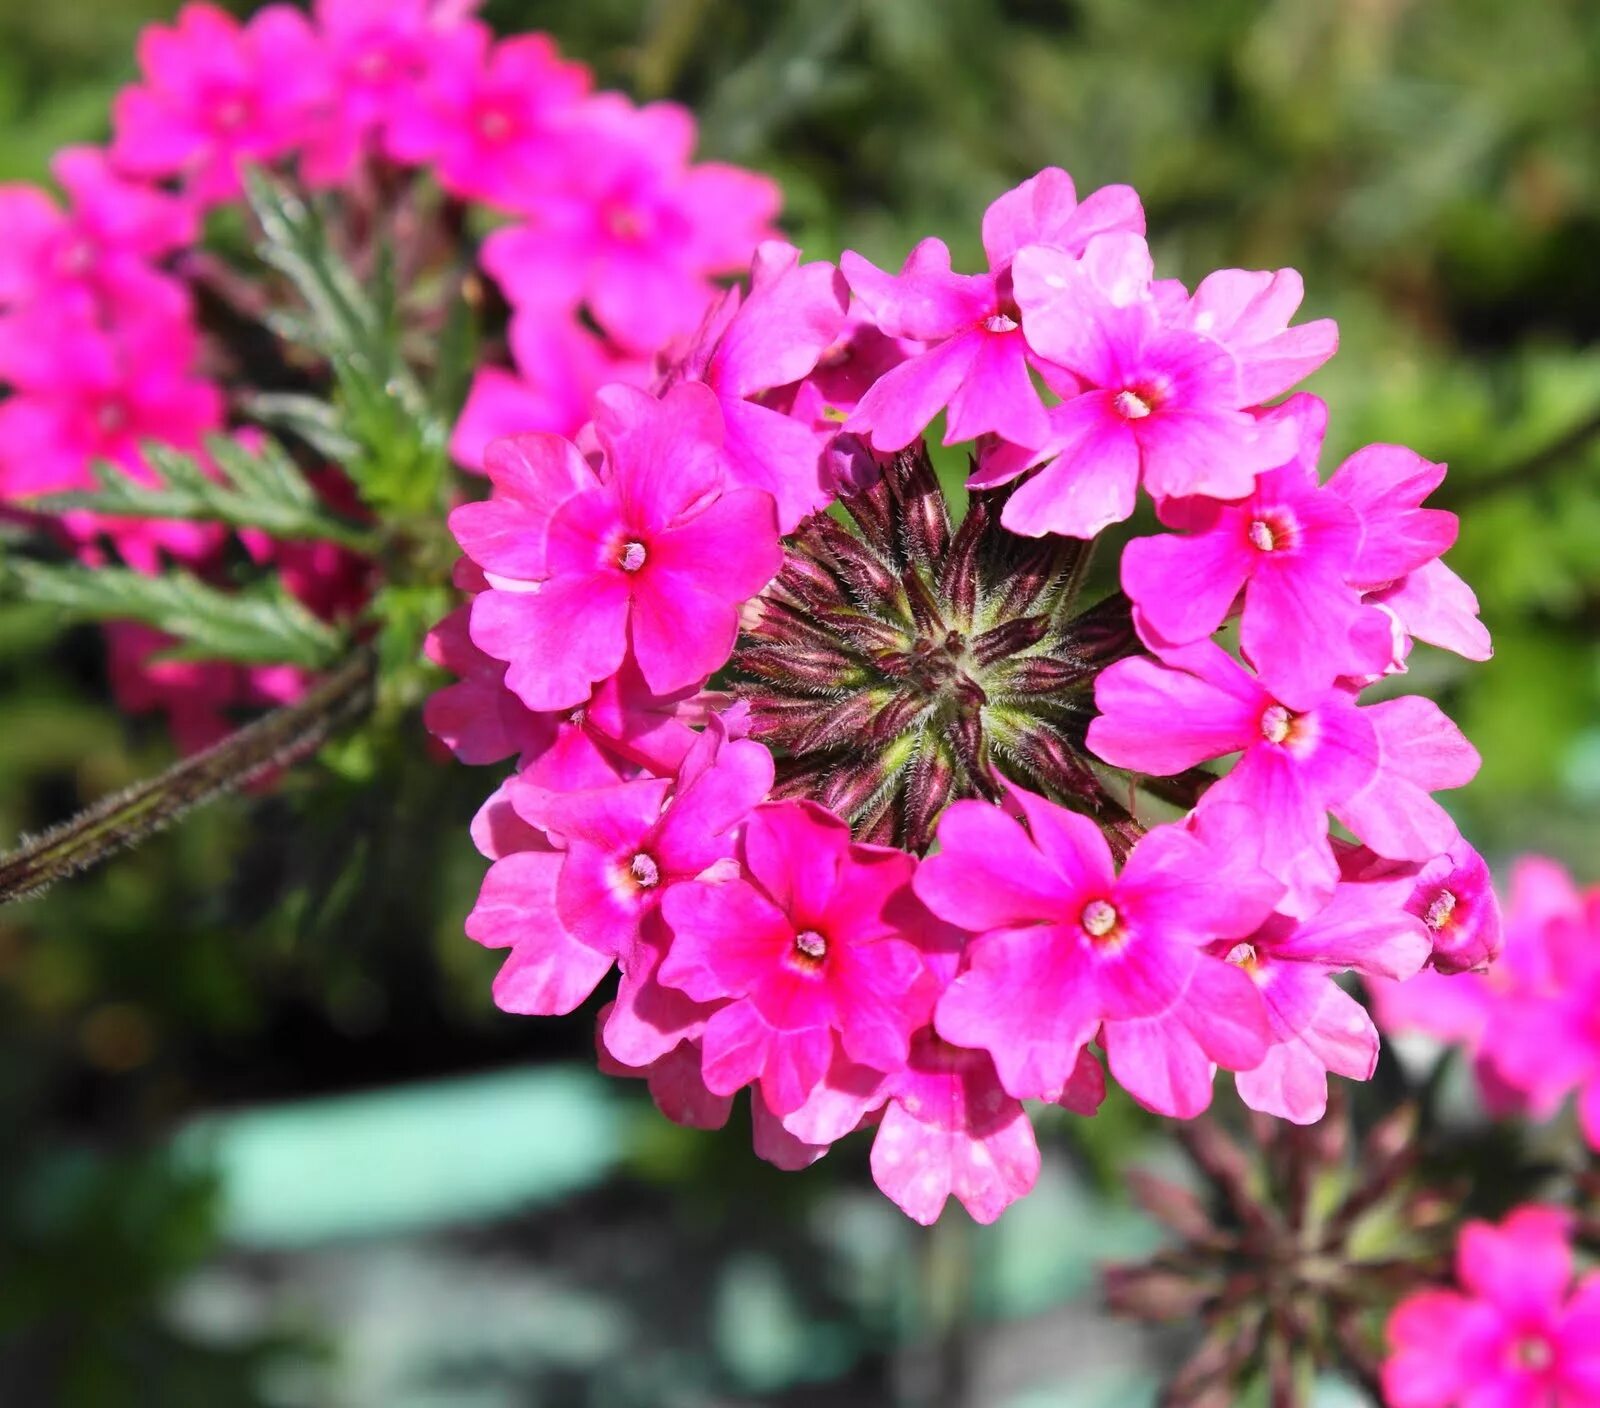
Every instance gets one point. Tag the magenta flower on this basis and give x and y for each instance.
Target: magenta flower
(218, 95)
(1528, 1019)
(556, 369)
(1163, 406)
(1316, 1027)
(478, 718)
(379, 55)
(1065, 945)
(1399, 564)
(1373, 768)
(571, 908)
(1248, 312)
(817, 947)
(81, 397)
(98, 252)
(652, 559)
(632, 229)
(951, 1130)
(976, 359)
(769, 338)
(1519, 1332)
(487, 113)
(1289, 547)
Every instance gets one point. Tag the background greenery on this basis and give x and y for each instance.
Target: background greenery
(1434, 171)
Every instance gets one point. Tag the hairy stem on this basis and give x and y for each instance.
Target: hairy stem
(278, 740)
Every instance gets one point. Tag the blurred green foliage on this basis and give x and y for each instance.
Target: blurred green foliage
(1432, 168)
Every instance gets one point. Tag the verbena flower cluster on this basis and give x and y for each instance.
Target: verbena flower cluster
(123, 320)
(878, 813)
(1530, 1021)
(1521, 1329)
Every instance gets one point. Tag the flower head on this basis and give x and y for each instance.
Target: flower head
(1519, 1329)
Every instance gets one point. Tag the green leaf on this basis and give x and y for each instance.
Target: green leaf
(259, 626)
(251, 489)
(393, 437)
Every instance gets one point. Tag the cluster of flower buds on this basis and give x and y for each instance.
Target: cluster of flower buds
(1286, 1255)
(1519, 1330)
(1529, 1022)
(124, 323)
(877, 815)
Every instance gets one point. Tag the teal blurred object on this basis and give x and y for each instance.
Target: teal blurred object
(395, 1161)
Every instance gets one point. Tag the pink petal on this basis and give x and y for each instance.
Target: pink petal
(1092, 481)
(1185, 585)
(918, 1166)
(559, 640)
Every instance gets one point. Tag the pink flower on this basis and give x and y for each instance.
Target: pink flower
(1316, 1027)
(1373, 768)
(556, 368)
(1518, 1333)
(751, 344)
(676, 1084)
(478, 718)
(812, 949)
(218, 95)
(1065, 945)
(571, 908)
(632, 229)
(652, 559)
(951, 1130)
(1248, 312)
(1164, 406)
(82, 397)
(1289, 548)
(488, 115)
(1399, 564)
(100, 252)
(976, 359)
(379, 54)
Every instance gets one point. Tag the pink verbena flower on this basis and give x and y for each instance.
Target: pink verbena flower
(1372, 767)
(632, 228)
(218, 95)
(810, 951)
(487, 114)
(1163, 406)
(557, 367)
(100, 252)
(1365, 926)
(754, 343)
(1066, 948)
(81, 396)
(651, 559)
(976, 359)
(1519, 1331)
(1289, 547)
(1248, 312)
(1399, 564)
(576, 905)
(379, 55)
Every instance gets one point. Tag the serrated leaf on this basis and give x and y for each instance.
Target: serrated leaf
(251, 489)
(262, 625)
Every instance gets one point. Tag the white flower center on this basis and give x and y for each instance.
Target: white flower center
(632, 558)
(1439, 912)
(810, 944)
(1131, 406)
(1098, 918)
(1261, 536)
(1001, 323)
(645, 871)
(1275, 723)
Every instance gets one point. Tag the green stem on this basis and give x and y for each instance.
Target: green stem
(277, 740)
